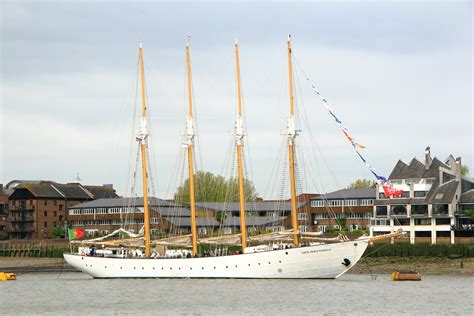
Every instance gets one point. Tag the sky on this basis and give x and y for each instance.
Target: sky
(399, 75)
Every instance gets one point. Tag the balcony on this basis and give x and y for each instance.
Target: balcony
(20, 229)
(22, 209)
(419, 210)
(21, 219)
(398, 211)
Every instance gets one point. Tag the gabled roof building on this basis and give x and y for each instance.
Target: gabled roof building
(435, 193)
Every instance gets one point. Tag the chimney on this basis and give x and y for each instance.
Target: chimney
(457, 168)
(428, 159)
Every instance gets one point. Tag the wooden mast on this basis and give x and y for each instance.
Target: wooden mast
(239, 134)
(291, 133)
(142, 138)
(190, 143)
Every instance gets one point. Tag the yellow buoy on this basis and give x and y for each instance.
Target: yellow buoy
(7, 276)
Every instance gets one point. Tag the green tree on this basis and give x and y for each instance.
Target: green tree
(220, 216)
(361, 184)
(214, 188)
(464, 170)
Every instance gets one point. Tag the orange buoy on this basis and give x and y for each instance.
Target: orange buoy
(405, 276)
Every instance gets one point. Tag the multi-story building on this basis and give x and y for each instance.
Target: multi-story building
(434, 194)
(106, 215)
(103, 216)
(3, 213)
(38, 208)
(346, 209)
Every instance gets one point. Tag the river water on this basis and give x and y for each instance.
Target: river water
(77, 293)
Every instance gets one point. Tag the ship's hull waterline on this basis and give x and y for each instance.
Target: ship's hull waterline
(325, 261)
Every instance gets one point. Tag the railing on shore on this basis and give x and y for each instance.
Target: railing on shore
(41, 249)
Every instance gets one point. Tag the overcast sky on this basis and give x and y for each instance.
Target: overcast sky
(398, 74)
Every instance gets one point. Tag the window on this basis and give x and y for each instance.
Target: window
(419, 193)
(55, 214)
(405, 194)
(302, 216)
(402, 222)
(45, 202)
(381, 210)
(55, 202)
(302, 228)
(335, 202)
(419, 210)
(398, 210)
(367, 202)
(61, 207)
(318, 203)
(60, 217)
(45, 214)
(423, 221)
(443, 221)
(45, 224)
(322, 228)
(382, 196)
(440, 209)
(350, 203)
(31, 202)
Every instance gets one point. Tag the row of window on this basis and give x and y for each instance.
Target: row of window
(406, 194)
(402, 210)
(350, 215)
(339, 203)
(112, 210)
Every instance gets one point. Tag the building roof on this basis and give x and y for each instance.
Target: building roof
(416, 169)
(249, 206)
(122, 202)
(250, 221)
(101, 191)
(467, 197)
(365, 193)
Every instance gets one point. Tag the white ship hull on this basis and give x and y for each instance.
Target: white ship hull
(325, 261)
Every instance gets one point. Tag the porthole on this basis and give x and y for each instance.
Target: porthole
(236, 266)
(134, 268)
(249, 264)
(105, 267)
(153, 268)
(143, 268)
(227, 267)
(120, 268)
(171, 268)
(202, 268)
(279, 261)
(259, 263)
(269, 262)
(286, 253)
(214, 267)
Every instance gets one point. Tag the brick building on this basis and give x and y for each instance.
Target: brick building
(36, 208)
(3, 212)
(351, 208)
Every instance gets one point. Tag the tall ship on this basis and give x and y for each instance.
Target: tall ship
(285, 254)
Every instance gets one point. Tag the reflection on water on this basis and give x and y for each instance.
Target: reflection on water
(77, 293)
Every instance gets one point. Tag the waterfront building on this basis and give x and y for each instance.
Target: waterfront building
(103, 216)
(431, 208)
(3, 212)
(346, 209)
(37, 209)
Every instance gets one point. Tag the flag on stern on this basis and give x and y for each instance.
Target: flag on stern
(75, 233)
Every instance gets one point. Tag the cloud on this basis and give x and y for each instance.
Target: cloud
(398, 75)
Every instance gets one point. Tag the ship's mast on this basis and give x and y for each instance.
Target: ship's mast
(190, 142)
(239, 135)
(291, 134)
(142, 139)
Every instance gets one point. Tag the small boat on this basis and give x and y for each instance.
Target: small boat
(405, 276)
(7, 276)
